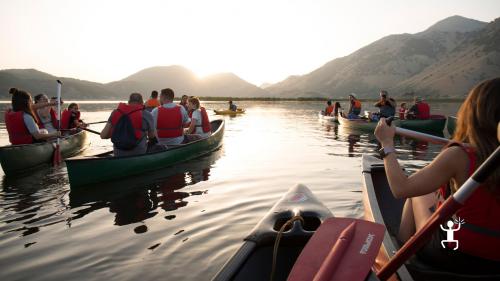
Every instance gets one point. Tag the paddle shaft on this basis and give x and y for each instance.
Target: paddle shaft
(450, 206)
(88, 130)
(100, 122)
(417, 135)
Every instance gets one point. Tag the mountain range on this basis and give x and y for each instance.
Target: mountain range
(443, 61)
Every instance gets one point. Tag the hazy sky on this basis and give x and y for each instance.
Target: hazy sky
(260, 41)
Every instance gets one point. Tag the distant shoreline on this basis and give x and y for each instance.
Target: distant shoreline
(279, 99)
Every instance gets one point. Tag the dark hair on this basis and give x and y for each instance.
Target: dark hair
(21, 101)
(477, 122)
(135, 98)
(168, 93)
(184, 96)
(38, 97)
(383, 92)
(154, 94)
(337, 105)
(71, 105)
(329, 102)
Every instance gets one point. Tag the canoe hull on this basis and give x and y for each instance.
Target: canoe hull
(229, 112)
(429, 125)
(18, 159)
(95, 169)
(451, 124)
(322, 117)
(252, 261)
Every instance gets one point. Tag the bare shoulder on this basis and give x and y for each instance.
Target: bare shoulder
(455, 157)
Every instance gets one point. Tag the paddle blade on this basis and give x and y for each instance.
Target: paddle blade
(57, 158)
(341, 249)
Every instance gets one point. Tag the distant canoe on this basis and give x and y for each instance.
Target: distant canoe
(433, 125)
(16, 159)
(451, 125)
(229, 112)
(360, 123)
(327, 118)
(104, 167)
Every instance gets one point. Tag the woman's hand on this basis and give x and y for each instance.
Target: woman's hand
(384, 133)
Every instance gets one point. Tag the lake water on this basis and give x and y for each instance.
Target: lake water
(184, 222)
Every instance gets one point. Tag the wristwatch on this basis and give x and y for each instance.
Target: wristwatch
(384, 151)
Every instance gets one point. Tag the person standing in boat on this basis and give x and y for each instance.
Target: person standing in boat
(170, 119)
(200, 124)
(141, 121)
(420, 110)
(21, 122)
(184, 102)
(474, 140)
(47, 116)
(152, 102)
(354, 107)
(386, 105)
(232, 106)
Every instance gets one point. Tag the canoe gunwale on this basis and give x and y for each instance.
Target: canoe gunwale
(16, 146)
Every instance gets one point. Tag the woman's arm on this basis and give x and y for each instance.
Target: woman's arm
(192, 126)
(106, 132)
(428, 179)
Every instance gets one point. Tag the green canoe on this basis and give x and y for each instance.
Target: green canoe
(433, 125)
(452, 123)
(104, 167)
(17, 159)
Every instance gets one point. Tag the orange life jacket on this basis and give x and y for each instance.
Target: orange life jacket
(18, 132)
(53, 119)
(66, 117)
(169, 122)
(424, 111)
(357, 104)
(329, 110)
(152, 103)
(480, 235)
(134, 112)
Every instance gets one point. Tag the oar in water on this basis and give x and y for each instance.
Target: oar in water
(57, 158)
(450, 206)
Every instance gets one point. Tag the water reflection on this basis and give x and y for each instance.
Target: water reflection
(138, 199)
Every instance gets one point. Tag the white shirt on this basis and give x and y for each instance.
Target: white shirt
(199, 129)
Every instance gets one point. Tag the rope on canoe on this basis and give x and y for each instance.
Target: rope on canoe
(277, 242)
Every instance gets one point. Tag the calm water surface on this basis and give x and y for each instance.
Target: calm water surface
(183, 222)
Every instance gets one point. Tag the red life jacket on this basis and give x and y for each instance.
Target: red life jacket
(424, 111)
(402, 113)
(480, 235)
(53, 119)
(134, 112)
(169, 122)
(18, 132)
(357, 104)
(205, 123)
(328, 110)
(66, 118)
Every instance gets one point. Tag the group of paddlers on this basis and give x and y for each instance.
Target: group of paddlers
(29, 122)
(387, 108)
(135, 127)
(138, 127)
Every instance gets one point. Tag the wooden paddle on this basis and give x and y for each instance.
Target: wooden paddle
(85, 129)
(57, 158)
(449, 207)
